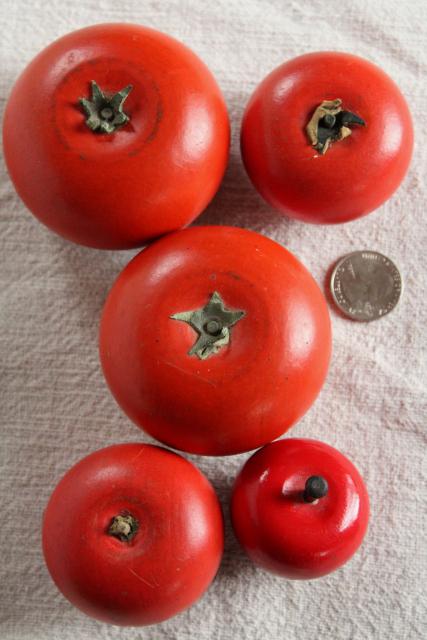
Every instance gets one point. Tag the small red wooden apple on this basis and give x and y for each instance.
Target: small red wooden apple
(299, 508)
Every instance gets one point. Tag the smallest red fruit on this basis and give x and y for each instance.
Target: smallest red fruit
(299, 508)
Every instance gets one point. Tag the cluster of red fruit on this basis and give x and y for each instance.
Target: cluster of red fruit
(215, 340)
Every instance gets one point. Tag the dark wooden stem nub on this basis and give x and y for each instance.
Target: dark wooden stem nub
(124, 527)
(213, 327)
(316, 487)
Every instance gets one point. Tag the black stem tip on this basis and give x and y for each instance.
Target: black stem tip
(328, 120)
(315, 487)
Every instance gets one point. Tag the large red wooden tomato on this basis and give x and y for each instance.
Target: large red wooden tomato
(116, 134)
(133, 534)
(327, 137)
(299, 508)
(215, 340)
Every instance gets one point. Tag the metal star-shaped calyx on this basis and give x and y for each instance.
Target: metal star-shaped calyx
(330, 123)
(212, 323)
(104, 112)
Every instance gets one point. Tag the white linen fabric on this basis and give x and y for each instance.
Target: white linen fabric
(55, 407)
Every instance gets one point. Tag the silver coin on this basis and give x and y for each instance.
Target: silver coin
(366, 285)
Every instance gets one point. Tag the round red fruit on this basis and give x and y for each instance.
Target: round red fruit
(327, 137)
(215, 340)
(133, 534)
(299, 508)
(116, 134)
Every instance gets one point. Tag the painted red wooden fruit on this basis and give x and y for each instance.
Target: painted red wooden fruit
(299, 508)
(215, 340)
(133, 534)
(327, 137)
(116, 134)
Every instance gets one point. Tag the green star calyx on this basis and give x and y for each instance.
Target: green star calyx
(212, 323)
(105, 112)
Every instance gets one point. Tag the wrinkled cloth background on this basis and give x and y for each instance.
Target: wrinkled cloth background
(55, 407)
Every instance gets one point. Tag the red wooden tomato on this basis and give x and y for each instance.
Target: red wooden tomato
(133, 534)
(215, 340)
(163, 159)
(363, 136)
(299, 508)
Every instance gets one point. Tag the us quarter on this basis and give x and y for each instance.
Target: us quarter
(366, 285)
